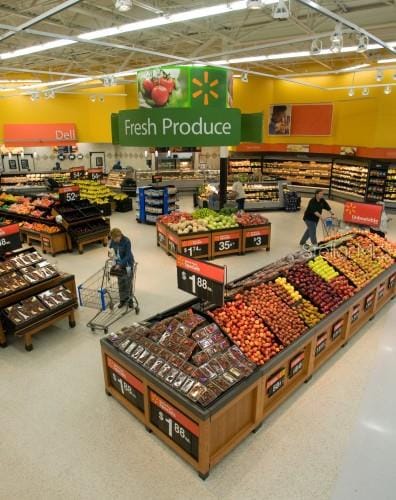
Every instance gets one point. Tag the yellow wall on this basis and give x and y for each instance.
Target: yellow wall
(357, 121)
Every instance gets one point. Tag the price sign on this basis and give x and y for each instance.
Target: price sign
(337, 329)
(156, 178)
(201, 279)
(95, 174)
(256, 238)
(126, 384)
(276, 382)
(355, 313)
(320, 344)
(68, 194)
(76, 173)
(381, 291)
(228, 242)
(392, 281)
(161, 237)
(172, 244)
(196, 247)
(296, 364)
(174, 424)
(369, 301)
(10, 238)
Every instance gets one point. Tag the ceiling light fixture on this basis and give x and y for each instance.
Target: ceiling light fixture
(380, 75)
(245, 78)
(281, 10)
(36, 48)
(337, 39)
(387, 90)
(316, 47)
(123, 5)
(365, 91)
(35, 96)
(351, 92)
(237, 76)
(362, 43)
(254, 4)
(109, 81)
(57, 82)
(49, 94)
(20, 81)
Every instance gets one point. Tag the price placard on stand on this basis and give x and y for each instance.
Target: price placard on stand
(392, 281)
(172, 244)
(227, 242)
(173, 423)
(381, 291)
(276, 382)
(205, 281)
(369, 301)
(76, 173)
(320, 344)
(10, 238)
(296, 364)
(126, 384)
(68, 194)
(95, 174)
(161, 236)
(355, 313)
(255, 238)
(196, 247)
(337, 329)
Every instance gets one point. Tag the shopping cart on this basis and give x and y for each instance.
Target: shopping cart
(101, 292)
(330, 226)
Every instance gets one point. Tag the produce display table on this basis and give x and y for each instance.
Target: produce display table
(203, 436)
(52, 243)
(211, 244)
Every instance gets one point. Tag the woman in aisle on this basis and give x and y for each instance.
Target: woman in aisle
(239, 194)
(312, 215)
(121, 251)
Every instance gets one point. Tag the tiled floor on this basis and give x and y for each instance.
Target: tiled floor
(61, 437)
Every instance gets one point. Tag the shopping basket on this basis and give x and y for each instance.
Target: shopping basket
(101, 291)
(330, 226)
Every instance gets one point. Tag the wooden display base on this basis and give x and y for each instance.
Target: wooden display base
(52, 243)
(211, 244)
(203, 437)
(95, 238)
(68, 281)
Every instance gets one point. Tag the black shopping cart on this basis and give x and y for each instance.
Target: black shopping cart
(101, 292)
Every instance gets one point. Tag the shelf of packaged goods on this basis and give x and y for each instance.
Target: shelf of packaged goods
(67, 280)
(204, 436)
(339, 193)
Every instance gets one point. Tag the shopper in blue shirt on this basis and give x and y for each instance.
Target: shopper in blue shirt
(121, 250)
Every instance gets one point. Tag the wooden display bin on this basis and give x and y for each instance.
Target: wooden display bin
(203, 437)
(52, 243)
(256, 238)
(227, 242)
(100, 237)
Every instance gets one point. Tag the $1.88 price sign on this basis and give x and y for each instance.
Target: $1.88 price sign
(174, 424)
(10, 238)
(201, 279)
(126, 384)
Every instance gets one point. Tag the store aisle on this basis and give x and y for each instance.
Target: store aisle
(62, 438)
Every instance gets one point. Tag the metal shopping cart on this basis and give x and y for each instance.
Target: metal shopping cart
(101, 292)
(331, 226)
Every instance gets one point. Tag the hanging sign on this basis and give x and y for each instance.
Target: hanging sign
(10, 238)
(201, 279)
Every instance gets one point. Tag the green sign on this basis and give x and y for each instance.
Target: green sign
(252, 127)
(164, 87)
(178, 127)
(209, 87)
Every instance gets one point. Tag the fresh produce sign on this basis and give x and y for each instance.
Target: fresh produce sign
(68, 194)
(10, 238)
(172, 244)
(196, 247)
(164, 127)
(161, 236)
(174, 424)
(276, 382)
(201, 279)
(126, 384)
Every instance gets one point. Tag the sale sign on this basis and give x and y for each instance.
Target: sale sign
(364, 214)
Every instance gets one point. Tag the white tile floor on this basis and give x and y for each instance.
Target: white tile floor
(61, 437)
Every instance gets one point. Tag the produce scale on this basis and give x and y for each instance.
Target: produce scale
(202, 377)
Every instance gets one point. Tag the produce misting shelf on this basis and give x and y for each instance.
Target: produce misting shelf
(215, 243)
(203, 437)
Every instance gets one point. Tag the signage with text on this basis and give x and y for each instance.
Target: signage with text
(256, 238)
(196, 247)
(355, 313)
(76, 173)
(68, 194)
(126, 384)
(363, 214)
(320, 344)
(95, 174)
(10, 238)
(381, 291)
(337, 329)
(178, 127)
(205, 281)
(39, 134)
(174, 424)
(369, 301)
(276, 382)
(227, 242)
(296, 364)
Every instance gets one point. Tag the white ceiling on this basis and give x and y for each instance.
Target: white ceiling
(232, 35)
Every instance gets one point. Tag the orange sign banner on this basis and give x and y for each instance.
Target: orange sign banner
(40, 134)
(364, 214)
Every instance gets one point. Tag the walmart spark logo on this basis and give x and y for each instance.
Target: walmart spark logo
(208, 87)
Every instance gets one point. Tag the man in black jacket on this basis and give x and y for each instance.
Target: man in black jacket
(312, 215)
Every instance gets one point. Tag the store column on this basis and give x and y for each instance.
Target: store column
(223, 175)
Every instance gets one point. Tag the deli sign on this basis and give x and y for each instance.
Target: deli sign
(40, 134)
(364, 214)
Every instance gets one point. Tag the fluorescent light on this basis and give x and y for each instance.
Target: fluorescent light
(36, 48)
(237, 76)
(57, 82)
(125, 73)
(20, 81)
(386, 61)
(354, 68)
(179, 17)
(8, 89)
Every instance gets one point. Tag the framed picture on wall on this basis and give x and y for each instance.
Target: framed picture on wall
(279, 119)
(99, 161)
(12, 165)
(24, 164)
